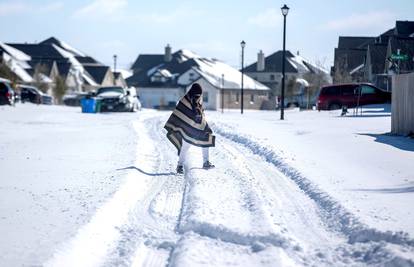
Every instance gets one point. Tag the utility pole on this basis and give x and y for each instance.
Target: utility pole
(243, 44)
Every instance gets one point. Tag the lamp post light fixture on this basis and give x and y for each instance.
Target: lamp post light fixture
(285, 11)
(115, 56)
(242, 44)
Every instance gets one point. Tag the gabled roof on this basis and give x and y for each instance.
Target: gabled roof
(404, 28)
(145, 62)
(51, 40)
(87, 60)
(175, 67)
(183, 62)
(377, 53)
(349, 58)
(45, 66)
(37, 51)
(348, 42)
(383, 38)
(63, 68)
(63, 45)
(273, 63)
(97, 72)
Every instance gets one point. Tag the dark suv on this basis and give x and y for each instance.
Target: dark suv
(7, 95)
(34, 95)
(351, 95)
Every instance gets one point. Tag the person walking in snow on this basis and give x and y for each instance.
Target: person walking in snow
(187, 126)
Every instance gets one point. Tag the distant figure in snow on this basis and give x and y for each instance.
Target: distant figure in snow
(187, 126)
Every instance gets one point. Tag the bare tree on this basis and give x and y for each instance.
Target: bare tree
(7, 73)
(341, 74)
(38, 77)
(59, 88)
(316, 80)
(290, 86)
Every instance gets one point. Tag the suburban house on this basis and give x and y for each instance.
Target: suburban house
(119, 79)
(375, 59)
(349, 58)
(42, 62)
(163, 79)
(299, 73)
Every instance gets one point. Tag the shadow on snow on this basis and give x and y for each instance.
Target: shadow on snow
(146, 173)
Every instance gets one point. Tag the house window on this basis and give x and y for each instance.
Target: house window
(205, 97)
(272, 77)
(251, 98)
(237, 97)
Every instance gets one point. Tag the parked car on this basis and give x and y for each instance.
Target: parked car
(7, 94)
(74, 99)
(351, 95)
(32, 94)
(116, 98)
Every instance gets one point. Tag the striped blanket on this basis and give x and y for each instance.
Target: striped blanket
(188, 122)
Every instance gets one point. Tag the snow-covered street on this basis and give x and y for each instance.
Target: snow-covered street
(101, 190)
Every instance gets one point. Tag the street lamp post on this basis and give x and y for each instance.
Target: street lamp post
(115, 56)
(222, 93)
(242, 44)
(285, 11)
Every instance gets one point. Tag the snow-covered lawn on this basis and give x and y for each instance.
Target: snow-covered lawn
(353, 158)
(100, 190)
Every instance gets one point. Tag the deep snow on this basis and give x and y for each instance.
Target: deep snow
(100, 190)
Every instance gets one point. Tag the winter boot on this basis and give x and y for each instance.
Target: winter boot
(180, 169)
(207, 165)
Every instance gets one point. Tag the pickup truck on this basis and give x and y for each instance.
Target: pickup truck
(115, 98)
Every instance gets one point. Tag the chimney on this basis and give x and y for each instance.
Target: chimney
(260, 61)
(167, 55)
(297, 53)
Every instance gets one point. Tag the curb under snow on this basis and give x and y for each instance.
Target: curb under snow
(337, 215)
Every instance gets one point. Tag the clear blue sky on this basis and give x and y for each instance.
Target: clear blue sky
(211, 28)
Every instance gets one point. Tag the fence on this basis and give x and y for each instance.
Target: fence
(402, 110)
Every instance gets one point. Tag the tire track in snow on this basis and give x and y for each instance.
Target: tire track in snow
(151, 229)
(333, 213)
(95, 240)
(133, 228)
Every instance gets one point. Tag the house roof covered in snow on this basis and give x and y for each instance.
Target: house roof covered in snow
(145, 62)
(182, 62)
(14, 53)
(63, 68)
(45, 67)
(293, 64)
(273, 63)
(38, 51)
(63, 45)
(25, 57)
(98, 73)
(87, 60)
